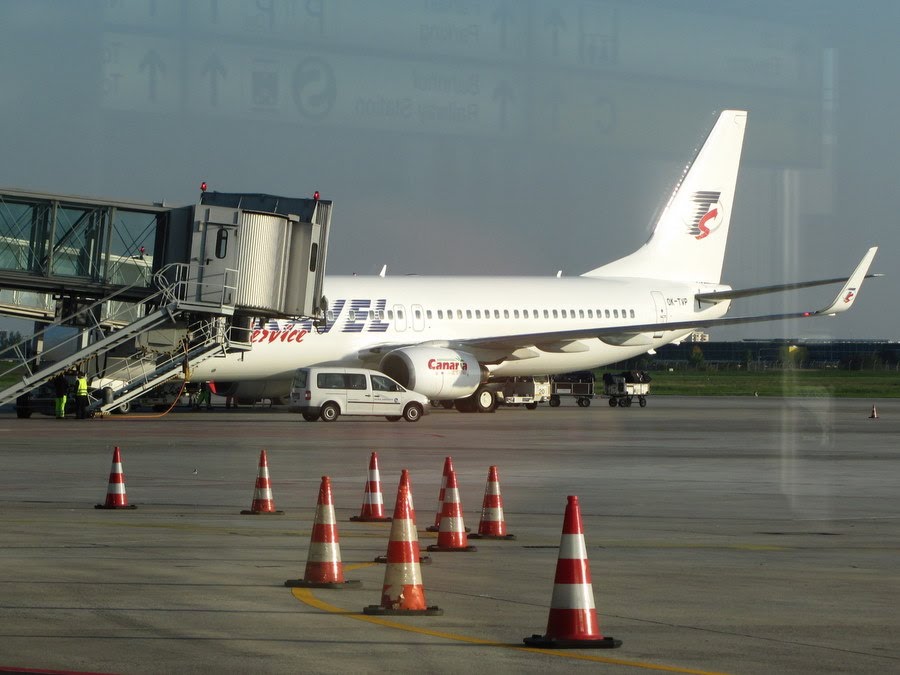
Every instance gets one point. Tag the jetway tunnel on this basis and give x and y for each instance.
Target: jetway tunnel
(123, 274)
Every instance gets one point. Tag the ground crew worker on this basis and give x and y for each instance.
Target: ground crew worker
(204, 397)
(81, 395)
(61, 390)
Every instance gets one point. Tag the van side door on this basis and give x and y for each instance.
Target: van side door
(387, 396)
(359, 394)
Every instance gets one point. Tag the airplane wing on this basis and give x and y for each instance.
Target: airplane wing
(557, 340)
(734, 294)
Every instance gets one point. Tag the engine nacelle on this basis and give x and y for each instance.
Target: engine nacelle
(437, 372)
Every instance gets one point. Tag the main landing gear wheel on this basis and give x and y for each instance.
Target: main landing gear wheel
(485, 401)
(465, 405)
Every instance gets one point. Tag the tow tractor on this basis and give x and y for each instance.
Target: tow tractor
(527, 391)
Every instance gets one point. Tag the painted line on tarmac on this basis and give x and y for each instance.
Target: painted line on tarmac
(306, 596)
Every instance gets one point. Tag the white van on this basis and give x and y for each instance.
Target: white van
(328, 393)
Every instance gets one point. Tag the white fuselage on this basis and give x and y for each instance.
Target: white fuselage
(383, 313)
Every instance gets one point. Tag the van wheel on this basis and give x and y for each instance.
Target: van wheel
(393, 418)
(330, 412)
(412, 412)
(310, 417)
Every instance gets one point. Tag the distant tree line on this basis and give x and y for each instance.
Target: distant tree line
(7, 340)
(775, 355)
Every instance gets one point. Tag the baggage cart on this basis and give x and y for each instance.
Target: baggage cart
(580, 385)
(623, 389)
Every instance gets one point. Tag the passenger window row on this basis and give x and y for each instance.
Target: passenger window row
(459, 314)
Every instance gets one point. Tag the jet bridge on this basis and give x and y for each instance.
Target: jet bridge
(148, 312)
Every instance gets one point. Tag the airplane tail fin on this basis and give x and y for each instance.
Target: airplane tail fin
(688, 240)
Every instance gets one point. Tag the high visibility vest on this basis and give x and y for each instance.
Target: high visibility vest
(82, 387)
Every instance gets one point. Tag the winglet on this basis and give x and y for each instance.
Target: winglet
(848, 293)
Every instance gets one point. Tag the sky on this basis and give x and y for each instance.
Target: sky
(464, 137)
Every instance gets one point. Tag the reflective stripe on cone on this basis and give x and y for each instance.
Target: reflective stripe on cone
(452, 535)
(492, 524)
(448, 467)
(263, 503)
(373, 502)
(115, 489)
(403, 592)
(572, 621)
(324, 568)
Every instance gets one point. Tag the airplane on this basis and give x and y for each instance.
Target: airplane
(446, 337)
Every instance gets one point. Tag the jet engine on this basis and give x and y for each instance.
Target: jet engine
(439, 373)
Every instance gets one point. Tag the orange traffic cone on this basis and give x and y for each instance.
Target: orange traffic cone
(372, 510)
(452, 536)
(263, 503)
(403, 592)
(492, 524)
(448, 467)
(115, 490)
(874, 415)
(324, 568)
(424, 558)
(573, 617)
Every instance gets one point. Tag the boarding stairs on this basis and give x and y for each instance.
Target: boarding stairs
(142, 372)
(182, 293)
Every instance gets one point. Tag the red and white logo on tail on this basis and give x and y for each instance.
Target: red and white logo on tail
(705, 214)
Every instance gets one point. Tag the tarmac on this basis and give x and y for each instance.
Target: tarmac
(737, 535)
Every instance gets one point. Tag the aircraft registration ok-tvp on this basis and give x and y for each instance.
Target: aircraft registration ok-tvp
(446, 336)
